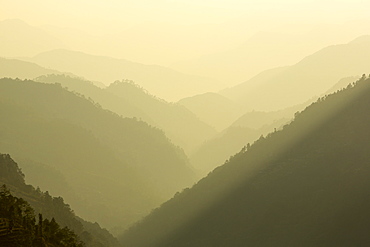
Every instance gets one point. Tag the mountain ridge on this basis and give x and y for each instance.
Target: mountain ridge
(305, 185)
(51, 207)
(99, 161)
(310, 77)
(165, 83)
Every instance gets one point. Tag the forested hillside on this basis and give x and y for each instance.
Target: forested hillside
(128, 99)
(106, 99)
(306, 185)
(117, 169)
(20, 203)
(244, 131)
(180, 125)
(215, 151)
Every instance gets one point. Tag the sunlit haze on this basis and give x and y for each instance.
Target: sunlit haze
(187, 123)
(169, 31)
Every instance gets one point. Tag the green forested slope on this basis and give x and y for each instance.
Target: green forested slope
(130, 100)
(124, 98)
(57, 215)
(100, 95)
(307, 185)
(118, 168)
(180, 125)
(215, 151)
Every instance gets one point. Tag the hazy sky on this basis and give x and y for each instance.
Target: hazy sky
(102, 16)
(165, 32)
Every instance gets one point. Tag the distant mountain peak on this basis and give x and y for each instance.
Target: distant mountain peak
(361, 39)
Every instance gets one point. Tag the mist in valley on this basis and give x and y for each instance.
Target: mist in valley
(184, 123)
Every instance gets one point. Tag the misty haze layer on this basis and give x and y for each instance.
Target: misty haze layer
(184, 123)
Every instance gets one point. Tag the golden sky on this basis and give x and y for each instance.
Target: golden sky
(165, 32)
(97, 16)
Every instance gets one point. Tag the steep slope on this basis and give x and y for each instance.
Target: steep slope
(166, 116)
(307, 185)
(342, 83)
(130, 100)
(258, 119)
(310, 77)
(180, 124)
(213, 109)
(18, 226)
(119, 168)
(216, 150)
(246, 129)
(99, 95)
(51, 207)
(163, 82)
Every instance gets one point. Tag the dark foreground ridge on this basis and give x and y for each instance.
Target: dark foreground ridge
(306, 185)
(19, 203)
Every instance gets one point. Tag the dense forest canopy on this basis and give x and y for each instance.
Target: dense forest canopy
(53, 209)
(305, 185)
(19, 228)
(23, 204)
(46, 124)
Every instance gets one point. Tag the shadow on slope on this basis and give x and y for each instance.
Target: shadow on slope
(120, 168)
(306, 185)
